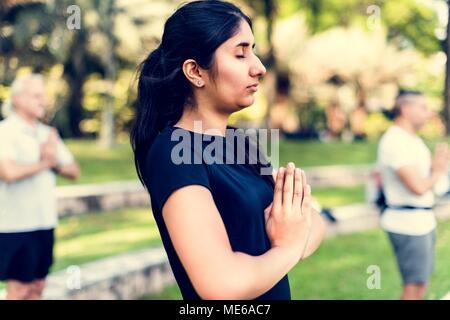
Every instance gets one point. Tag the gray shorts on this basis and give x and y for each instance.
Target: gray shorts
(415, 256)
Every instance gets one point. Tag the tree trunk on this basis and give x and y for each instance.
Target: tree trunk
(447, 78)
(270, 79)
(107, 136)
(75, 72)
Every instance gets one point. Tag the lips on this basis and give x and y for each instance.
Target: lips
(253, 87)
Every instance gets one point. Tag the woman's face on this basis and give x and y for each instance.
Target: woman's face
(238, 70)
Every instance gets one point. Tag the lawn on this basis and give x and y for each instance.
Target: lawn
(102, 165)
(89, 237)
(338, 270)
(86, 238)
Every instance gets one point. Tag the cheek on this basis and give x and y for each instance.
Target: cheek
(36, 108)
(232, 78)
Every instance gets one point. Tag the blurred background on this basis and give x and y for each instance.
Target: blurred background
(334, 70)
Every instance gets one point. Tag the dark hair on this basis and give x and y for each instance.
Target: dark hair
(194, 31)
(396, 110)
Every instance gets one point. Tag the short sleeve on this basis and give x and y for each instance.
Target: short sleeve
(63, 154)
(394, 153)
(7, 150)
(164, 175)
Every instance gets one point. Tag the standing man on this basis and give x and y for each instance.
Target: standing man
(409, 174)
(31, 153)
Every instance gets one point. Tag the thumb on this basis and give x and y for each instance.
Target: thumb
(267, 212)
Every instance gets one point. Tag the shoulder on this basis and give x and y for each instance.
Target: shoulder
(175, 146)
(7, 129)
(6, 124)
(161, 147)
(393, 138)
(45, 129)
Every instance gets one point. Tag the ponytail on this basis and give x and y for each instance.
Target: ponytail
(192, 32)
(157, 106)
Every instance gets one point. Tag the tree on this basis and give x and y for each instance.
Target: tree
(447, 77)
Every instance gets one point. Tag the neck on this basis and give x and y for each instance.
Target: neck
(405, 125)
(210, 120)
(29, 120)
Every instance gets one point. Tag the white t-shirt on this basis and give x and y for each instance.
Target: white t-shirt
(28, 204)
(399, 148)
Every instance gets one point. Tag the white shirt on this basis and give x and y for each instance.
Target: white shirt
(399, 148)
(28, 204)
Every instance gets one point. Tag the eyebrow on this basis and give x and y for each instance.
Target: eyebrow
(245, 44)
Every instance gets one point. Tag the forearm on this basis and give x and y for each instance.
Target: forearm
(254, 275)
(417, 184)
(426, 184)
(250, 276)
(71, 171)
(317, 234)
(11, 172)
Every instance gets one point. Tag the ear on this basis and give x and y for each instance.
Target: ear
(193, 73)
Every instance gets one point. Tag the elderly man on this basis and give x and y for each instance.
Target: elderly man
(31, 153)
(409, 175)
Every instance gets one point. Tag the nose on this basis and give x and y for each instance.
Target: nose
(258, 69)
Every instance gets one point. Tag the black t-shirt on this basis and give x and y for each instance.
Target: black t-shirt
(240, 194)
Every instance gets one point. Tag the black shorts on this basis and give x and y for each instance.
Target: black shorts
(26, 256)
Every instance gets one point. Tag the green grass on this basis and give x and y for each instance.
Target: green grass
(101, 165)
(87, 238)
(91, 237)
(316, 153)
(339, 196)
(338, 270)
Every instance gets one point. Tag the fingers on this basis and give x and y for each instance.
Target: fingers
(278, 191)
(288, 188)
(274, 174)
(298, 189)
(306, 203)
(267, 212)
(304, 183)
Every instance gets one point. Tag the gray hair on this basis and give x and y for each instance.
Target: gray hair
(17, 88)
(405, 97)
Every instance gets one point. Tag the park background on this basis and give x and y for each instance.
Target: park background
(334, 69)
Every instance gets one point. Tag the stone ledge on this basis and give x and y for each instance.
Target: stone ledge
(80, 199)
(122, 277)
(132, 275)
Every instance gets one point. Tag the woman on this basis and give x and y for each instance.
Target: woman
(227, 233)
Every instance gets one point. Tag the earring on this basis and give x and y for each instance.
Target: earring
(200, 83)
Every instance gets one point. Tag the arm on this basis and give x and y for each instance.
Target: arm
(70, 171)
(10, 171)
(215, 271)
(414, 182)
(317, 229)
(317, 234)
(420, 185)
(54, 147)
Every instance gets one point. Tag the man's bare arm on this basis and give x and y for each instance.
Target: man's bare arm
(10, 171)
